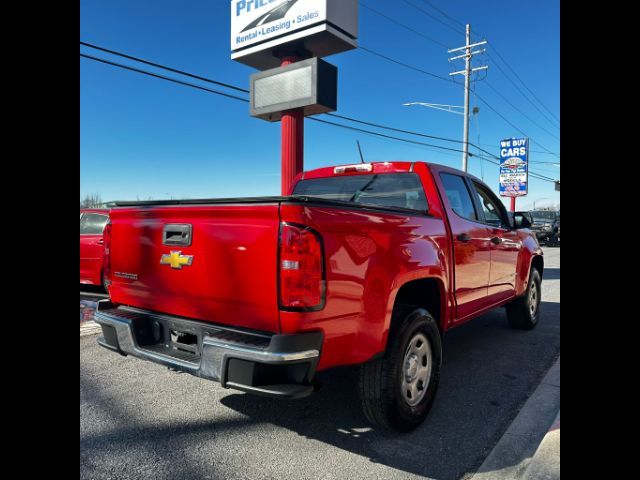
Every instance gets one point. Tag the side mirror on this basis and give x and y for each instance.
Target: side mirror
(522, 220)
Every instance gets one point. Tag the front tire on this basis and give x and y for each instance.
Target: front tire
(398, 390)
(523, 313)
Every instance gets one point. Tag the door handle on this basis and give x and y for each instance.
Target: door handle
(101, 241)
(496, 240)
(463, 237)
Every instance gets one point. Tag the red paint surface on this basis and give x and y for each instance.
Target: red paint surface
(368, 256)
(91, 254)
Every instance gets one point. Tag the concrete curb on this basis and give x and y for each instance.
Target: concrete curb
(512, 455)
(545, 464)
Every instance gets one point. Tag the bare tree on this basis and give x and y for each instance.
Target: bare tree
(91, 200)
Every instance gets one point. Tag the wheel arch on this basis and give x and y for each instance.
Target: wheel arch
(425, 292)
(537, 262)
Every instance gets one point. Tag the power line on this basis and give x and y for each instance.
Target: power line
(170, 69)
(369, 132)
(514, 126)
(399, 130)
(522, 81)
(425, 72)
(409, 132)
(521, 112)
(432, 16)
(523, 94)
(164, 67)
(443, 13)
(542, 177)
(406, 65)
(403, 25)
(496, 63)
(163, 77)
(233, 87)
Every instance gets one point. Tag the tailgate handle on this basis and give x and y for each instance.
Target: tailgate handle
(177, 235)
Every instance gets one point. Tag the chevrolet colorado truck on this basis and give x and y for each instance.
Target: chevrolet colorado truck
(365, 265)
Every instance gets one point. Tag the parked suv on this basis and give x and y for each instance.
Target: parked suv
(546, 225)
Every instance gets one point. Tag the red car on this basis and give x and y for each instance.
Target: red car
(367, 265)
(92, 223)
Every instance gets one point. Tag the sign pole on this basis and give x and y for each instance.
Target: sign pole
(292, 129)
(513, 204)
(286, 40)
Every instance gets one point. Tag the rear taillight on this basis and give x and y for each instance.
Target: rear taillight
(106, 235)
(301, 269)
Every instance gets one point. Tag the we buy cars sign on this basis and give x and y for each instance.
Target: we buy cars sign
(514, 167)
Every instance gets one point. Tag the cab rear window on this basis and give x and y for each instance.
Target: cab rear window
(92, 223)
(398, 190)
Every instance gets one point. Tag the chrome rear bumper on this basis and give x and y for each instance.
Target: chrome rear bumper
(273, 365)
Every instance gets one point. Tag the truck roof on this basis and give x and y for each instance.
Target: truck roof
(379, 167)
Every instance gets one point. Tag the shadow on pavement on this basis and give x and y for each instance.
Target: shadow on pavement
(551, 274)
(489, 371)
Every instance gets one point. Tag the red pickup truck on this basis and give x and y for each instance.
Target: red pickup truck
(92, 223)
(366, 265)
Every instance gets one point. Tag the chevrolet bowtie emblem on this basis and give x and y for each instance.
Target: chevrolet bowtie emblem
(176, 260)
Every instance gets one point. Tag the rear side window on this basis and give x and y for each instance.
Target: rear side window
(92, 223)
(458, 195)
(400, 190)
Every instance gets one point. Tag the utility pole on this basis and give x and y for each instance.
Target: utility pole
(468, 70)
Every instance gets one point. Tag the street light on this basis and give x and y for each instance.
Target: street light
(436, 106)
(450, 109)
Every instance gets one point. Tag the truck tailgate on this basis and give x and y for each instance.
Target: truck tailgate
(232, 275)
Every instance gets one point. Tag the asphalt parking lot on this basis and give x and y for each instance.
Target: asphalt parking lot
(140, 421)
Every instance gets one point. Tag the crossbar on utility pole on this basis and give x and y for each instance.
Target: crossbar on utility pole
(468, 55)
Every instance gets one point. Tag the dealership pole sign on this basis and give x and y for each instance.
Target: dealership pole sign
(260, 28)
(287, 40)
(514, 167)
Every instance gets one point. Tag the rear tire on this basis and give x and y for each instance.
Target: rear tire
(398, 390)
(523, 313)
